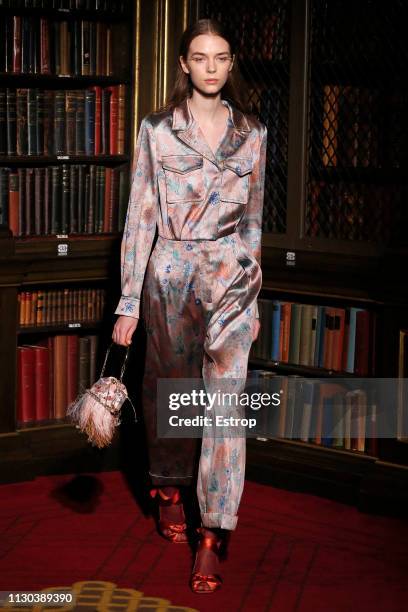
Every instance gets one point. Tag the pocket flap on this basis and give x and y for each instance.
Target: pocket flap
(182, 163)
(239, 165)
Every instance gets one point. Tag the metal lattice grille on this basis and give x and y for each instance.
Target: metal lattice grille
(260, 31)
(358, 122)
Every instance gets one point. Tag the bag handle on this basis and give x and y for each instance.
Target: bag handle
(106, 359)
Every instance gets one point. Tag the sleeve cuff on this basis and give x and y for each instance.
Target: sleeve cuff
(128, 306)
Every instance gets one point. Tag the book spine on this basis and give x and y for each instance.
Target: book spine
(107, 220)
(80, 123)
(92, 48)
(70, 123)
(47, 200)
(13, 202)
(98, 117)
(76, 48)
(39, 178)
(29, 203)
(8, 43)
(121, 119)
(114, 103)
(3, 122)
(90, 122)
(40, 122)
(80, 199)
(48, 119)
(44, 47)
(25, 46)
(31, 121)
(65, 199)
(21, 201)
(64, 48)
(91, 199)
(109, 64)
(11, 102)
(105, 103)
(16, 44)
(59, 122)
(36, 45)
(73, 218)
(4, 196)
(21, 104)
(55, 200)
(85, 48)
(56, 46)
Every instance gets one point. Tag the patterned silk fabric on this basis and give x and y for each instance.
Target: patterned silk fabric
(199, 285)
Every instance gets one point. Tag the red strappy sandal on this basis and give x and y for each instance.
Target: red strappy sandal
(205, 583)
(174, 532)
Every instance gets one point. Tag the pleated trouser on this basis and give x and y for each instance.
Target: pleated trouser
(199, 311)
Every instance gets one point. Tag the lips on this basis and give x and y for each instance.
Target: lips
(211, 80)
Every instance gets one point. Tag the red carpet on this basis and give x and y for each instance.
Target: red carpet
(290, 552)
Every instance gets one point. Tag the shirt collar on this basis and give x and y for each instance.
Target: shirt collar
(183, 118)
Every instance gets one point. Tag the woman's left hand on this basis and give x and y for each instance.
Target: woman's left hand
(257, 326)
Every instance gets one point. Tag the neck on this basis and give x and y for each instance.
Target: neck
(205, 107)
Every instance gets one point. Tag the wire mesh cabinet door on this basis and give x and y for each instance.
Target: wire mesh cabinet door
(260, 32)
(358, 124)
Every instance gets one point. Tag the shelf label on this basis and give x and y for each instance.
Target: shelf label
(74, 325)
(62, 249)
(63, 236)
(62, 156)
(290, 258)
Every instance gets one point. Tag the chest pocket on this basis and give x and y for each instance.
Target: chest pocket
(184, 178)
(235, 179)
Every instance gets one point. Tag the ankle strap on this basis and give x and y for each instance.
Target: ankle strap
(211, 542)
(174, 498)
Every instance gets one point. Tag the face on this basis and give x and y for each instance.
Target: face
(208, 63)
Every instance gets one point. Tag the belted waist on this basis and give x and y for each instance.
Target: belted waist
(198, 239)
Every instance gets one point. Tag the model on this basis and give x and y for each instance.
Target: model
(198, 178)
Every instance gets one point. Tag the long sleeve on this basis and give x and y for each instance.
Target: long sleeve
(250, 227)
(141, 221)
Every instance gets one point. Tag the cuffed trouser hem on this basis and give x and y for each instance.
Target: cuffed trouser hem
(220, 520)
(171, 481)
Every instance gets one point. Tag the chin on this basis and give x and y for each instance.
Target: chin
(211, 90)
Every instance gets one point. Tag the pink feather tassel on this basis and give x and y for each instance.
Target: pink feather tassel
(96, 412)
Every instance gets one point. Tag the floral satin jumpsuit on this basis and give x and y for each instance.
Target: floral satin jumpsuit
(198, 286)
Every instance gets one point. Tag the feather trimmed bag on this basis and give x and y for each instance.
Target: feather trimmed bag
(96, 411)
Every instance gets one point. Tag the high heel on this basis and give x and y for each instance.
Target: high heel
(200, 582)
(170, 530)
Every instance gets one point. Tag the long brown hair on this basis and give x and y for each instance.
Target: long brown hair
(183, 87)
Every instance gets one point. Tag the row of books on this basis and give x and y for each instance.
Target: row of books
(51, 373)
(355, 211)
(39, 45)
(63, 122)
(115, 6)
(68, 305)
(65, 199)
(319, 412)
(355, 131)
(339, 339)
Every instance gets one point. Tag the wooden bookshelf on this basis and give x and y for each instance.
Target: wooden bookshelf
(49, 262)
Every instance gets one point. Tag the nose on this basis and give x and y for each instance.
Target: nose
(211, 65)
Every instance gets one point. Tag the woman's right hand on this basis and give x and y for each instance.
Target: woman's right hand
(124, 329)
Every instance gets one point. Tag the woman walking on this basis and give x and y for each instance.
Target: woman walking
(198, 178)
